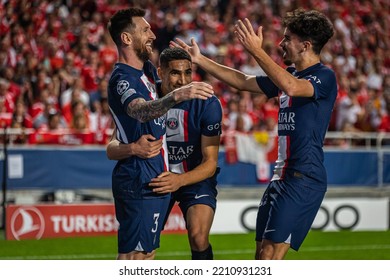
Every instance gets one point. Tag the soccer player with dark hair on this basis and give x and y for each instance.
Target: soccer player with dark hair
(193, 138)
(137, 110)
(307, 92)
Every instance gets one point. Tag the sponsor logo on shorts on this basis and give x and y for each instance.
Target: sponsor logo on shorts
(202, 195)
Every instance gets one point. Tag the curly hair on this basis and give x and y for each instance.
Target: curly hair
(311, 26)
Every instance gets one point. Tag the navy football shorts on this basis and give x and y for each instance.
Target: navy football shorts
(287, 211)
(140, 223)
(204, 192)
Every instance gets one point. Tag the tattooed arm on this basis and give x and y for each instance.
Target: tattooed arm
(144, 111)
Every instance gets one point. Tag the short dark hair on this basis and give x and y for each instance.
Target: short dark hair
(121, 20)
(311, 26)
(171, 54)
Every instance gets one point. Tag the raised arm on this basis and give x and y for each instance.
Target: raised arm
(292, 86)
(144, 111)
(228, 75)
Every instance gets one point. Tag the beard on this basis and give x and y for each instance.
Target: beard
(141, 52)
(287, 62)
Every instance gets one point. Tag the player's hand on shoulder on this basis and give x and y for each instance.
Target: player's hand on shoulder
(193, 90)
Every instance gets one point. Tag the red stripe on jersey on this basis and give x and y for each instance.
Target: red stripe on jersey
(185, 167)
(151, 80)
(185, 126)
(163, 155)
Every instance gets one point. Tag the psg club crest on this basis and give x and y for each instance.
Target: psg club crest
(172, 123)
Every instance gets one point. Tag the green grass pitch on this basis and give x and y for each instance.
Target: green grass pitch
(344, 245)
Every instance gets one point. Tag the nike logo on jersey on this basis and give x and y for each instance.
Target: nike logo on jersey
(171, 135)
(269, 230)
(202, 195)
(284, 101)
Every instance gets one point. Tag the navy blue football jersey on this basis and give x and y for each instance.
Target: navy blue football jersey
(303, 123)
(186, 123)
(126, 84)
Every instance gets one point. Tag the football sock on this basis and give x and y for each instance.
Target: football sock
(203, 255)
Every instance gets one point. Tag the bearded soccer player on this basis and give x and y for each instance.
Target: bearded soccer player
(193, 137)
(137, 110)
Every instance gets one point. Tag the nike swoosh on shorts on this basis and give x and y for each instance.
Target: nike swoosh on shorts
(199, 196)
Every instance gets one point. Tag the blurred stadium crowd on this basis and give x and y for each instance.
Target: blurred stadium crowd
(56, 57)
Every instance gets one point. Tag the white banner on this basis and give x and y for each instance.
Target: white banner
(239, 216)
(199, 270)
